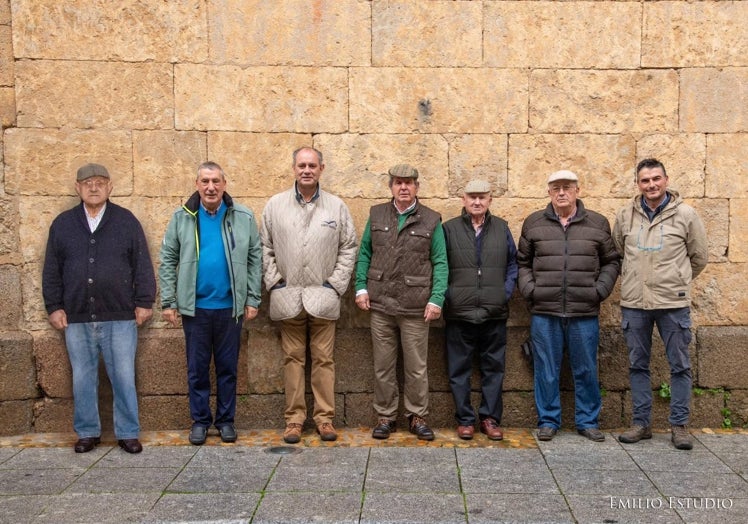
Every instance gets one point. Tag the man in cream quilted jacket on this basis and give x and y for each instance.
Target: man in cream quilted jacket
(309, 250)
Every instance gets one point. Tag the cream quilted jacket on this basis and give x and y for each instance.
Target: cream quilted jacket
(308, 254)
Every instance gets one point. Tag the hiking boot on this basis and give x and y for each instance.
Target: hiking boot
(327, 432)
(635, 434)
(546, 433)
(681, 437)
(420, 429)
(292, 435)
(594, 434)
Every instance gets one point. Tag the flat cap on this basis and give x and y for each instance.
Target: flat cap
(563, 175)
(91, 170)
(477, 186)
(403, 171)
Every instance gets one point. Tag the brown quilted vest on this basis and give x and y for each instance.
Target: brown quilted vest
(399, 276)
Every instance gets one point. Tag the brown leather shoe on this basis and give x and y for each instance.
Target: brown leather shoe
(327, 432)
(292, 435)
(465, 432)
(491, 429)
(131, 445)
(86, 444)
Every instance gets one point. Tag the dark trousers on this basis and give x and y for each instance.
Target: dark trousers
(488, 341)
(212, 332)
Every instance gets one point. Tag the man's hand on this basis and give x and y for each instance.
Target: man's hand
(250, 312)
(171, 316)
(142, 315)
(431, 312)
(58, 319)
(362, 301)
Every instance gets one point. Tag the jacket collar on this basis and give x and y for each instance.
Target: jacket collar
(193, 203)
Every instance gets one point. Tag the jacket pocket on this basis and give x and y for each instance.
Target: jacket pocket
(285, 303)
(417, 281)
(321, 302)
(374, 274)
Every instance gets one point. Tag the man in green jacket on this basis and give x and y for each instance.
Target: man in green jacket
(401, 276)
(210, 274)
(664, 247)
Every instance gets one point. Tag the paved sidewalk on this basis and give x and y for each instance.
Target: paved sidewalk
(359, 480)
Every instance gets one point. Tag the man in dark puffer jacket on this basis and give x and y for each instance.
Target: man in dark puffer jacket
(568, 265)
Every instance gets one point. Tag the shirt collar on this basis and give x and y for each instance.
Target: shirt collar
(300, 197)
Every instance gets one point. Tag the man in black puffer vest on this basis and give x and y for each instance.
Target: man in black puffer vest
(482, 261)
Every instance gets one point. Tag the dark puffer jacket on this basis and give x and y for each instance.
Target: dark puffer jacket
(567, 273)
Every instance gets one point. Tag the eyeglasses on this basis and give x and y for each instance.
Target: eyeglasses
(648, 248)
(91, 184)
(566, 187)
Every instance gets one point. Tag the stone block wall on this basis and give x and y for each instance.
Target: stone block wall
(507, 91)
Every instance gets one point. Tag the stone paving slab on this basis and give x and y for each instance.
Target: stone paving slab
(412, 470)
(631, 510)
(698, 485)
(123, 480)
(196, 507)
(415, 508)
(307, 506)
(100, 508)
(486, 508)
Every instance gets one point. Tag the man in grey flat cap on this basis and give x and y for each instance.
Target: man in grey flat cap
(401, 277)
(482, 259)
(99, 286)
(568, 264)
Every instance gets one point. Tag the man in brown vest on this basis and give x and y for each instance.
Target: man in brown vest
(401, 277)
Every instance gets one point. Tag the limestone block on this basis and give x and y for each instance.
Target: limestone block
(519, 410)
(165, 162)
(258, 164)
(34, 312)
(709, 101)
(684, 157)
(10, 290)
(613, 360)
(714, 212)
(265, 361)
(610, 413)
(5, 17)
(9, 244)
(161, 412)
(293, 32)
(53, 371)
(37, 214)
(269, 99)
(109, 95)
(602, 163)
(562, 35)
(738, 241)
(737, 403)
(55, 415)
(437, 360)
(129, 30)
(721, 348)
(438, 100)
(701, 34)
(354, 364)
(706, 409)
(44, 161)
(585, 101)
(414, 34)
(718, 296)
(357, 165)
(266, 411)
(6, 57)
(17, 417)
(359, 410)
(7, 107)
(476, 156)
(17, 365)
(518, 374)
(160, 363)
(441, 411)
(154, 215)
(727, 165)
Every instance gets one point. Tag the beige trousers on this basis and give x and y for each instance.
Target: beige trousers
(321, 336)
(388, 332)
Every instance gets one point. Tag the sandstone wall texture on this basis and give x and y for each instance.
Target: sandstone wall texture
(503, 90)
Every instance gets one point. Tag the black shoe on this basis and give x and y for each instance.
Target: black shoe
(383, 428)
(131, 445)
(419, 428)
(593, 434)
(198, 434)
(228, 433)
(86, 444)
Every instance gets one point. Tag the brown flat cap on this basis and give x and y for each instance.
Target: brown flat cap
(403, 171)
(91, 170)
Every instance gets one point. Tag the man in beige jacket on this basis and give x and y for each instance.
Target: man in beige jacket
(309, 250)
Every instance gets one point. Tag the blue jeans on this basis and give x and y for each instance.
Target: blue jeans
(674, 326)
(579, 336)
(117, 342)
(216, 333)
(487, 340)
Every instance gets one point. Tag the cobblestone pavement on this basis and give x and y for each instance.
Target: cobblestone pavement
(360, 480)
